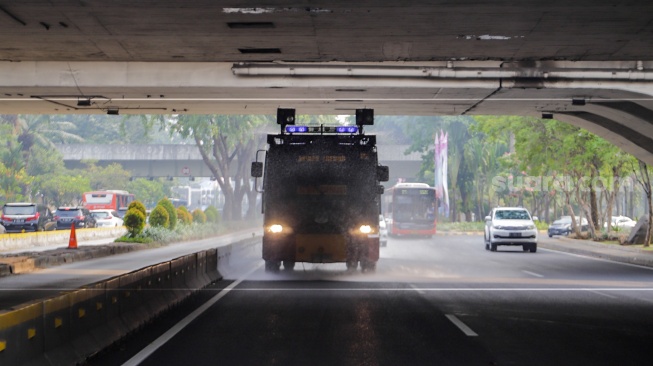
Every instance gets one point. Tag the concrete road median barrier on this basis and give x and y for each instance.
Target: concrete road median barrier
(27, 241)
(212, 265)
(57, 331)
(87, 315)
(68, 328)
(134, 309)
(21, 335)
(159, 294)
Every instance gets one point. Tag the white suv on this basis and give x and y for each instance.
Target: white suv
(510, 226)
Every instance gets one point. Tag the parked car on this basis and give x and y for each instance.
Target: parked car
(25, 216)
(106, 218)
(510, 226)
(81, 217)
(383, 231)
(562, 226)
(621, 222)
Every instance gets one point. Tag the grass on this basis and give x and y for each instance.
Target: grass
(182, 232)
(460, 226)
(474, 226)
(638, 246)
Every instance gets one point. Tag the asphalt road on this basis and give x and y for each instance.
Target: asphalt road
(440, 301)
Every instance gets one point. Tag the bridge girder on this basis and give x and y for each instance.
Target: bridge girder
(614, 93)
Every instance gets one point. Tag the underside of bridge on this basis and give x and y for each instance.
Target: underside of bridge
(585, 62)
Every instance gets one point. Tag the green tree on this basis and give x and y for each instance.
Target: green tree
(557, 149)
(159, 217)
(172, 212)
(643, 176)
(113, 176)
(199, 216)
(212, 214)
(38, 131)
(422, 132)
(220, 138)
(125, 129)
(134, 221)
(63, 189)
(184, 216)
(15, 182)
(148, 191)
(138, 205)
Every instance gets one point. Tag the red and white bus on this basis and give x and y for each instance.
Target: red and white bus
(410, 209)
(109, 199)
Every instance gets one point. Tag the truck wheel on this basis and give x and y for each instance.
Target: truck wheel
(368, 266)
(272, 266)
(533, 248)
(352, 265)
(493, 247)
(288, 265)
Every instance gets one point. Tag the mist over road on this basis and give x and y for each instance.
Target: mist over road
(443, 301)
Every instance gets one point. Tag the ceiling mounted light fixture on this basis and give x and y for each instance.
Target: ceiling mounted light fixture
(113, 111)
(86, 102)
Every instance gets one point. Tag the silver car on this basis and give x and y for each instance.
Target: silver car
(510, 226)
(107, 218)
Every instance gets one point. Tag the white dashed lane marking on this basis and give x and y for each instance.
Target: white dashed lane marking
(462, 326)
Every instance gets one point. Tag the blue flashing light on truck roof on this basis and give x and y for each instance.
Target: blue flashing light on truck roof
(321, 129)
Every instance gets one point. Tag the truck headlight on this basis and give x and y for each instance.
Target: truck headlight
(365, 229)
(276, 228)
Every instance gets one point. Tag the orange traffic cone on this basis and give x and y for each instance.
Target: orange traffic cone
(72, 242)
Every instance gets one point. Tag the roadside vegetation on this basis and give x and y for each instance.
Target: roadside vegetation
(552, 168)
(161, 230)
(475, 226)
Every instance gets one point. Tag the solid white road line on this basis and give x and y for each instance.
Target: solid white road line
(165, 337)
(419, 291)
(533, 274)
(452, 289)
(598, 259)
(462, 326)
(602, 294)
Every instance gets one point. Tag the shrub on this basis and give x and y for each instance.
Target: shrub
(139, 206)
(134, 220)
(199, 216)
(159, 217)
(212, 215)
(184, 216)
(172, 212)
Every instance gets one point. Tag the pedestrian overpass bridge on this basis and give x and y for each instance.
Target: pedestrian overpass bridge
(185, 160)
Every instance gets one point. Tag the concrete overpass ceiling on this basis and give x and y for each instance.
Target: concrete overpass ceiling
(498, 57)
(210, 31)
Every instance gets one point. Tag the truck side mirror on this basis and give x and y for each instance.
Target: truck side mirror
(382, 173)
(380, 189)
(257, 169)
